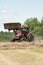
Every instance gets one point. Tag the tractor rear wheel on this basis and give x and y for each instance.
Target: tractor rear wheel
(30, 38)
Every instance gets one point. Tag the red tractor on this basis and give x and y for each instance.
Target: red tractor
(21, 32)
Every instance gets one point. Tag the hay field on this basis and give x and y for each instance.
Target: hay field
(23, 53)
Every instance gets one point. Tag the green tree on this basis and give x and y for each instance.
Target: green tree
(32, 23)
(42, 21)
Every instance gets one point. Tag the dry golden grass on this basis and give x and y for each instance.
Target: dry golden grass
(20, 45)
(22, 57)
(23, 53)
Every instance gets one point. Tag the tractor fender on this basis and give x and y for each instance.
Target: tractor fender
(30, 33)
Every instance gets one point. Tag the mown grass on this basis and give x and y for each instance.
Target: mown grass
(28, 56)
(2, 63)
(25, 56)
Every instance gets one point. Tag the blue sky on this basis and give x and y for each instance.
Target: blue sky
(19, 10)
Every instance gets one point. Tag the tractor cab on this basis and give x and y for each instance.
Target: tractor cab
(22, 32)
(18, 33)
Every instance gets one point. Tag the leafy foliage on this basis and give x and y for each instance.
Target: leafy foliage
(32, 23)
(35, 26)
(6, 36)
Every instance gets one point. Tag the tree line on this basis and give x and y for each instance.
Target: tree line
(35, 26)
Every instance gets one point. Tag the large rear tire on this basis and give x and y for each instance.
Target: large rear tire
(30, 38)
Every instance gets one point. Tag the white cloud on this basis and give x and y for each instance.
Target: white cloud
(7, 10)
(4, 11)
